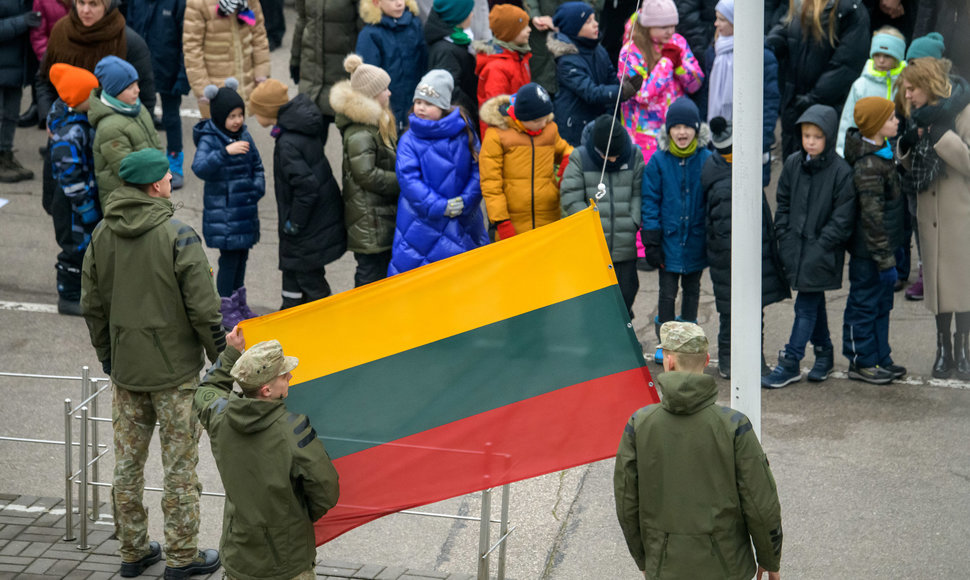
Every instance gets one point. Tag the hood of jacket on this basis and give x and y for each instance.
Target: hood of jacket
(207, 127)
(130, 212)
(826, 119)
(370, 13)
(435, 29)
(354, 106)
(560, 45)
(685, 393)
(301, 115)
(493, 112)
(856, 147)
(98, 111)
(703, 138)
(444, 128)
(247, 415)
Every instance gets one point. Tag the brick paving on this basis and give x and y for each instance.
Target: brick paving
(32, 547)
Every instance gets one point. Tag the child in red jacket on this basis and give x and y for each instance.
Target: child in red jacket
(502, 64)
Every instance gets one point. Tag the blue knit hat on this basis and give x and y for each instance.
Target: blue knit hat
(930, 45)
(571, 16)
(453, 12)
(115, 74)
(531, 102)
(683, 111)
(888, 44)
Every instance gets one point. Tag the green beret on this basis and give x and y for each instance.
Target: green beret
(144, 166)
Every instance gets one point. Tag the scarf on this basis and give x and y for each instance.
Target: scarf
(519, 48)
(886, 152)
(460, 36)
(729, 157)
(510, 111)
(686, 151)
(240, 8)
(275, 132)
(927, 165)
(720, 98)
(83, 46)
(120, 106)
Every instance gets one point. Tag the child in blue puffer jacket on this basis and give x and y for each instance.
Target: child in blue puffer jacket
(227, 160)
(439, 212)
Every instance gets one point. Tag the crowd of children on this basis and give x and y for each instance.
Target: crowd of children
(448, 144)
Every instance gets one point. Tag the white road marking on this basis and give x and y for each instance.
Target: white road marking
(28, 307)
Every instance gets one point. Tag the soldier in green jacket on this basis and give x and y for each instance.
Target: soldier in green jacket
(276, 472)
(692, 484)
(151, 308)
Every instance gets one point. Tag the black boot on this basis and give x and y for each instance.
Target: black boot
(961, 355)
(943, 365)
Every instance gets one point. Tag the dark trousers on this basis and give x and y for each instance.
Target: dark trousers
(302, 287)
(371, 267)
(629, 282)
(73, 237)
(724, 334)
(865, 324)
(275, 23)
(811, 323)
(232, 271)
(9, 114)
(172, 122)
(690, 285)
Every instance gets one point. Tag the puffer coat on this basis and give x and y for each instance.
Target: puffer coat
(50, 12)
(500, 72)
(324, 33)
(816, 211)
(14, 44)
(518, 170)
(370, 187)
(435, 164)
(234, 184)
(587, 85)
(306, 193)
(218, 47)
(673, 202)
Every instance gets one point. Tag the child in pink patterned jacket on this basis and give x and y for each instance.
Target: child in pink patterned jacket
(667, 65)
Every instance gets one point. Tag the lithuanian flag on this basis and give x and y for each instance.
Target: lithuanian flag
(504, 363)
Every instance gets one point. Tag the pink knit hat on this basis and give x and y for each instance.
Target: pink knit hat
(658, 13)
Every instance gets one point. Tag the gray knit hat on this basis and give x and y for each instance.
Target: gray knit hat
(436, 87)
(366, 79)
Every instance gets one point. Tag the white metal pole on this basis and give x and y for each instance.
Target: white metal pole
(746, 210)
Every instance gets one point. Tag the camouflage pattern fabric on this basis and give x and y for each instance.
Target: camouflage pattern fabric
(684, 337)
(133, 417)
(308, 575)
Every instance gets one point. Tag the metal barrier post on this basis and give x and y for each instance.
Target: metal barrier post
(68, 476)
(84, 480)
(503, 531)
(483, 539)
(95, 499)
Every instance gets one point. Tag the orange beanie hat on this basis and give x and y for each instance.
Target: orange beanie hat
(73, 84)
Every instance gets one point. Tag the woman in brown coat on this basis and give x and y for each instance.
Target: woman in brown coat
(936, 150)
(219, 44)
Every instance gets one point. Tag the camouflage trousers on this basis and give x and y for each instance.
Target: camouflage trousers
(308, 575)
(133, 417)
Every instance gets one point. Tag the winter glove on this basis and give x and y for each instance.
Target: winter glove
(106, 367)
(87, 210)
(295, 74)
(801, 104)
(672, 51)
(290, 229)
(630, 86)
(888, 276)
(32, 19)
(653, 251)
(908, 140)
(505, 230)
(454, 207)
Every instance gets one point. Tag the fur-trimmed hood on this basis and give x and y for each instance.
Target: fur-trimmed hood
(559, 46)
(485, 47)
(703, 138)
(370, 13)
(354, 105)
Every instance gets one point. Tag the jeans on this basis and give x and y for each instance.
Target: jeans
(811, 323)
(172, 122)
(629, 282)
(371, 267)
(690, 284)
(865, 326)
(9, 113)
(302, 287)
(232, 271)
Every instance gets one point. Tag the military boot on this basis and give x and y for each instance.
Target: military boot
(11, 171)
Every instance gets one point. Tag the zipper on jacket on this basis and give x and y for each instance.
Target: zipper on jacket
(158, 345)
(663, 555)
(532, 142)
(684, 216)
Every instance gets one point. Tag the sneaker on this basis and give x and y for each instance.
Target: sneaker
(786, 373)
(206, 562)
(132, 569)
(915, 291)
(658, 355)
(897, 371)
(175, 162)
(68, 307)
(875, 375)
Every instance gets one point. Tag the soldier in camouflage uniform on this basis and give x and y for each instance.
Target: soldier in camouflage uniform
(692, 485)
(265, 536)
(151, 307)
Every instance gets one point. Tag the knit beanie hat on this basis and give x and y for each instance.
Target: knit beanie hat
(531, 102)
(683, 111)
(571, 16)
(930, 45)
(507, 21)
(871, 113)
(267, 98)
(726, 8)
(436, 87)
(223, 101)
(115, 74)
(143, 166)
(606, 133)
(366, 79)
(659, 13)
(453, 12)
(888, 44)
(73, 84)
(721, 134)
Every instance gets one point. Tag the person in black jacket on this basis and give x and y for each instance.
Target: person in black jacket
(448, 45)
(716, 183)
(819, 58)
(311, 212)
(696, 24)
(813, 222)
(15, 20)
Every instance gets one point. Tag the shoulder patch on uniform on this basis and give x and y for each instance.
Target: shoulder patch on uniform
(301, 427)
(306, 440)
(208, 396)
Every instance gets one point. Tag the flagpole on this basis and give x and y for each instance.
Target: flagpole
(747, 122)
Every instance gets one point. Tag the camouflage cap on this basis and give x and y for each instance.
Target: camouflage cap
(261, 363)
(684, 337)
